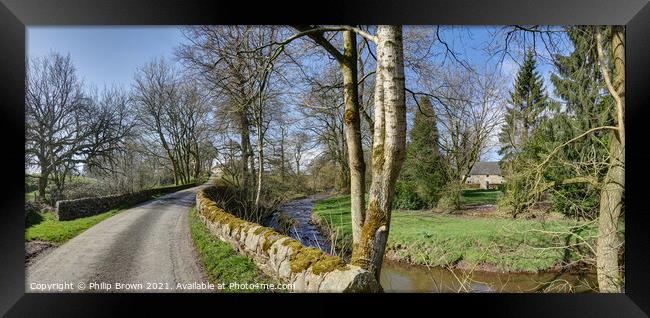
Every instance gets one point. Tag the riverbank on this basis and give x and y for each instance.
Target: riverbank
(468, 242)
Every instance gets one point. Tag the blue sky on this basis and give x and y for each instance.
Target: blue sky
(110, 55)
(105, 55)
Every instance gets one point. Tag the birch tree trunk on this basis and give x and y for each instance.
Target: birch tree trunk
(388, 149)
(611, 197)
(352, 122)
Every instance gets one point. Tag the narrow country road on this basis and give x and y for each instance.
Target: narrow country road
(148, 247)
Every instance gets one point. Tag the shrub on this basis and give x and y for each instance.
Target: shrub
(576, 200)
(451, 196)
(406, 197)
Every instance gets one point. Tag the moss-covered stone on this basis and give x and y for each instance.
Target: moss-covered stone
(303, 258)
(270, 237)
(292, 244)
(326, 264)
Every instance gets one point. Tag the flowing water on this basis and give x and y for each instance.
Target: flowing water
(402, 277)
(303, 229)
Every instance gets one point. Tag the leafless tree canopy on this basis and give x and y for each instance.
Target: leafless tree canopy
(66, 128)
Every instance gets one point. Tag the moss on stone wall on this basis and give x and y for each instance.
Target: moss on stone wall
(328, 263)
(301, 258)
(270, 237)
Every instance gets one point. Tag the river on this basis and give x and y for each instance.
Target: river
(402, 277)
(304, 231)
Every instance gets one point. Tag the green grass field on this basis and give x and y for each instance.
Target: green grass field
(45, 226)
(480, 196)
(222, 264)
(422, 237)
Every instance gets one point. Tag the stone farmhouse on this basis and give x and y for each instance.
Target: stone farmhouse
(486, 174)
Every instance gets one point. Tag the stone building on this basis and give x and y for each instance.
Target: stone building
(486, 174)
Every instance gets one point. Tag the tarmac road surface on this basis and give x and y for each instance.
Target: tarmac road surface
(147, 248)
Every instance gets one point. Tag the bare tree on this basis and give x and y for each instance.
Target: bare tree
(236, 63)
(300, 143)
(469, 107)
(66, 129)
(265, 63)
(322, 108)
(154, 93)
(282, 131)
(347, 59)
(212, 51)
(52, 98)
(387, 127)
(173, 114)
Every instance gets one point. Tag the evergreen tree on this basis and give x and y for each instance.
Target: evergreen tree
(579, 83)
(423, 144)
(527, 103)
(524, 114)
(421, 177)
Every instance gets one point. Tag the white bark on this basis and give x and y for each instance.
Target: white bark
(388, 151)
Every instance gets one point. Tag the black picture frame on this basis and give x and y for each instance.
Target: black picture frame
(16, 15)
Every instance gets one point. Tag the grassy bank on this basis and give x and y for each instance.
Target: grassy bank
(222, 264)
(45, 226)
(422, 237)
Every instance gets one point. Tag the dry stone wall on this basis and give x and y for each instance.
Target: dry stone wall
(279, 256)
(73, 209)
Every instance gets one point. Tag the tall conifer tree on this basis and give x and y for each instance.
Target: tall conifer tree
(524, 114)
(528, 100)
(421, 177)
(579, 83)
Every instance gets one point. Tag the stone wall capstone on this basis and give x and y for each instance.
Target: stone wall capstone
(279, 256)
(77, 208)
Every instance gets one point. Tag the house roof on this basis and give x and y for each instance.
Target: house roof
(485, 167)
